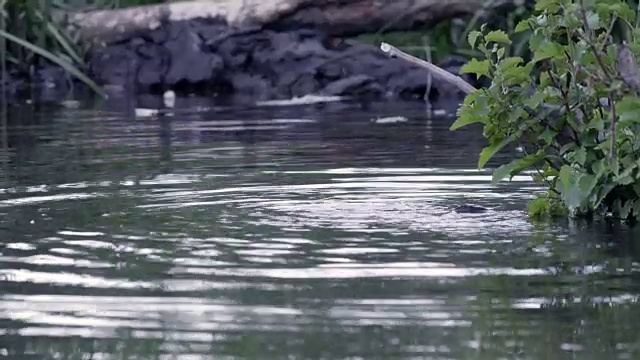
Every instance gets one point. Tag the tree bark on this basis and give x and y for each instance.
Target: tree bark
(338, 17)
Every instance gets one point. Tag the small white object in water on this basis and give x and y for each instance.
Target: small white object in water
(390, 120)
(169, 98)
(70, 104)
(439, 112)
(146, 113)
(304, 100)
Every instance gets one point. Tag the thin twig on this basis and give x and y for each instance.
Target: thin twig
(596, 53)
(609, 30)
(589, 39)
(613, 124)
(429, 76)
(437, 72)
(474, 20)
(565, 100)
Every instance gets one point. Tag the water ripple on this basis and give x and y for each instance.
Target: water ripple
(292, 238)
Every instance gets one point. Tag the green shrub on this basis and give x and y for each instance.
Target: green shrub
(569, 107)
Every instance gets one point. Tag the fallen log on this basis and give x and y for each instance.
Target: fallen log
(336, 17)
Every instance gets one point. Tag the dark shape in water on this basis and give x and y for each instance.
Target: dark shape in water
(470, 209)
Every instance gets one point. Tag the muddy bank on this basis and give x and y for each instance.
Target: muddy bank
(260, 64)
(207, 57)
(254, 50)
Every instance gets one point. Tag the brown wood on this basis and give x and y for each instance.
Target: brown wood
(338, 17)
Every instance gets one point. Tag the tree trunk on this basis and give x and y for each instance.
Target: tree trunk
(338, 17)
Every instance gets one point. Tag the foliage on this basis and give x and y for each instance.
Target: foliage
(546, 205)
(449, 37)
(457, 31)
(567, 107)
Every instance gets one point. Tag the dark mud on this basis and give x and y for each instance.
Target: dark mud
(205, 57)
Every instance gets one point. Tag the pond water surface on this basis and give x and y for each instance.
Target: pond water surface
(291, 233)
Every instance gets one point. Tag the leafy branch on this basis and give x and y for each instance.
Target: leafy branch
(578, 117)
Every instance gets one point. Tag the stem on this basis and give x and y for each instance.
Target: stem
(596, 53)
(565, 98)
(613, 125)
(545, 180)
(613, 22)
(588, 33)
(427, 49)
(474, 20)
(549, 182)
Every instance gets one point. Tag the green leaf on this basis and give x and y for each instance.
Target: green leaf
(502, 172)
(498, 36)
(523, 25)
(615, 166)
(472, 38)
(628, 109)
(626, 176)
(599, 167)
(593, 20)
(464, 120)
(573, 197)
(517, 75)
(516, 114)
(623, 210)
(473, 110)
(489, 151)
(586, 183)
(545, 80)
(548, 50)
(603, 191)
(548, 135)
(510, 62)
(476, 67)
(566, 174)
(623, 10)
(515, 167)
(576, 187)
(534, 101)
(547, 5)
(580, 156)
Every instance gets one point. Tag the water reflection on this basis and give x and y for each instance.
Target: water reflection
(291, 233)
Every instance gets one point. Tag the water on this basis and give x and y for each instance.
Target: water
(275, 233)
